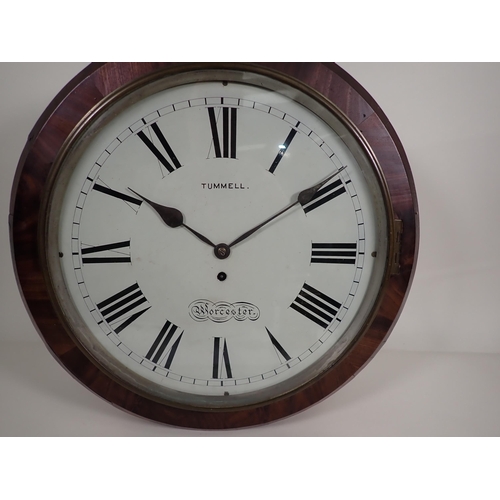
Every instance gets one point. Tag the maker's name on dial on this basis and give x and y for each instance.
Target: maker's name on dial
(223, 185)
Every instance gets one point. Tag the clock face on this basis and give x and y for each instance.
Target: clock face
(214, 245)
(148, 247)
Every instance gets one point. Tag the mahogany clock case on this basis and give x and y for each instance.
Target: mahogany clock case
(76, 102)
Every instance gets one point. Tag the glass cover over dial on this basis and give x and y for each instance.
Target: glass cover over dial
(217, 239)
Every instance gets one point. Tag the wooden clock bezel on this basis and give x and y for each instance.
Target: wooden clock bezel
(75, 101)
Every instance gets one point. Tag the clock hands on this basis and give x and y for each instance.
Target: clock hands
(172, 217)
(303, 198)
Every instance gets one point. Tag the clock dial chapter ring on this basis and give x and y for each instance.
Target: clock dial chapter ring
(302, 296)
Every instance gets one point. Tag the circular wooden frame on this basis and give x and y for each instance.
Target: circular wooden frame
(90, 87)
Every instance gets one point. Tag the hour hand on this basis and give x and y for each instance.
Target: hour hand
(172, 217)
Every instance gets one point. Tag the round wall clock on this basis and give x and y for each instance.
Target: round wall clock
(214, 245)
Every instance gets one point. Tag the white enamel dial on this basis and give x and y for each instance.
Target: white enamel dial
(154, 304)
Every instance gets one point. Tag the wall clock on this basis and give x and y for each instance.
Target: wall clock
(214, 245)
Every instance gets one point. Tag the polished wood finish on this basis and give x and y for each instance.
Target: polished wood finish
(70, 106)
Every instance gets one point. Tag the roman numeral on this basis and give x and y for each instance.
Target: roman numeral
(282, 149)
(221, 359)
(227, 131)
(161, 345)
(333, 253)
(166, 146)
(315, 305)
(116, 307)
(325, 194)
(109, 255)
(116, 194)
(278, 346)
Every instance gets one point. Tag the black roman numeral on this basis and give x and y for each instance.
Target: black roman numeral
(333, 253)
(325, 194)
(116, 194)
(228, 131)
(110, 256)
(278, 346)
(166, 146)
(116, 307)
(221, 359)
(161, 345)
(282, 149)
(315, 305)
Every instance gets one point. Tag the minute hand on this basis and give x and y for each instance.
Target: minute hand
(303, 198)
